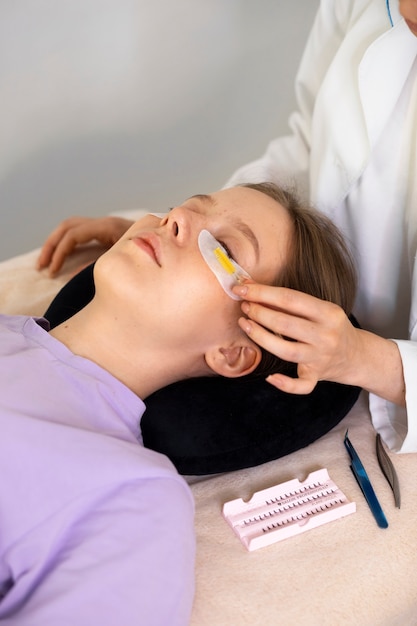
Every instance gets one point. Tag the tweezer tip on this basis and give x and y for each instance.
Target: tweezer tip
(388, 470)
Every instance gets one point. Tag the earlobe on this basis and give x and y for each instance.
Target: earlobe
(234, 361)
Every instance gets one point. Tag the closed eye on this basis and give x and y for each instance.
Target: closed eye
(227, 250)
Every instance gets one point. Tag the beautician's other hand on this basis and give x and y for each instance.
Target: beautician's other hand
(325, 345)
(79, 230)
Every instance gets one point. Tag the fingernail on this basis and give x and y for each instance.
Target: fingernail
(245, 307)
(240, 290)
(245, 325)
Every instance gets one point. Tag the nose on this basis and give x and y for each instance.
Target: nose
(182, 224)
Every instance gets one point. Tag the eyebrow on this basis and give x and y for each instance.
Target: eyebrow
(237, 222)
(205, 197)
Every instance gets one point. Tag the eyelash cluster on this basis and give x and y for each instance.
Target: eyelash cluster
(226, 249)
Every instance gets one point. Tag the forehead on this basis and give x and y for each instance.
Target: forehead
(245, 202)
(267, 220)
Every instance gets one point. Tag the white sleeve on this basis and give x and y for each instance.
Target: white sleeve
(398, 425)
(287, 159)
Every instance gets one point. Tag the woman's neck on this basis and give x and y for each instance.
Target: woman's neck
(134, 356)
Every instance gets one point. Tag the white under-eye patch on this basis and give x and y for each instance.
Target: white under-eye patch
(226, 270)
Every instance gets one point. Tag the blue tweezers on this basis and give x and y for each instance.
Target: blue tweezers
(365, 484)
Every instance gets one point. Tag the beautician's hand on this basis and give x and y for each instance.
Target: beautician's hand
(322, 335)
(79, 230)
(325, 345)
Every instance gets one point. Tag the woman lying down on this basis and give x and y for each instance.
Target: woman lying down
(95, 528)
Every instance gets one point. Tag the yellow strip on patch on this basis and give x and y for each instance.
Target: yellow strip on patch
(224, 261)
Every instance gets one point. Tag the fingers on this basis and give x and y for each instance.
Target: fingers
(280, 323)
(298, 328)
(76, 231)
(281, 299)
(289, 313)
(295, 351)
(62, 241)
(298, 386)
(46, 256)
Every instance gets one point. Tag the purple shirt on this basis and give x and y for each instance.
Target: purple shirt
(95, 529)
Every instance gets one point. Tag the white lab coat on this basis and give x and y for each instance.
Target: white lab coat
(355, 66)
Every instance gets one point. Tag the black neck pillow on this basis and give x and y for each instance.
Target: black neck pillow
(213, 425)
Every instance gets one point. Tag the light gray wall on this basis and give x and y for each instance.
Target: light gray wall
(116, 104)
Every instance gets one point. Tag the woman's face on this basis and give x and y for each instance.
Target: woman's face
(408, 9)
(158, 277)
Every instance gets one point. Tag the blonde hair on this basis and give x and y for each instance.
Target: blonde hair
(319, 262)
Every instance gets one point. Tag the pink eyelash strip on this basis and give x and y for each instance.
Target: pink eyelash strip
(286, 510)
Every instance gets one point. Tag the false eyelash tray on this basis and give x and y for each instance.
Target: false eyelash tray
(286, 510)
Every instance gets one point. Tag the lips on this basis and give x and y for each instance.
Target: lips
(150, 244)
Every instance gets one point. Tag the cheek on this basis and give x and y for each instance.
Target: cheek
(204, 302)
(216, 294)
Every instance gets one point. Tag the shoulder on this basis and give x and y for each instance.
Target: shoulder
(342, 16)
(15, 327)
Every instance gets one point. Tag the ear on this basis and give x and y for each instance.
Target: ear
(238, 359)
